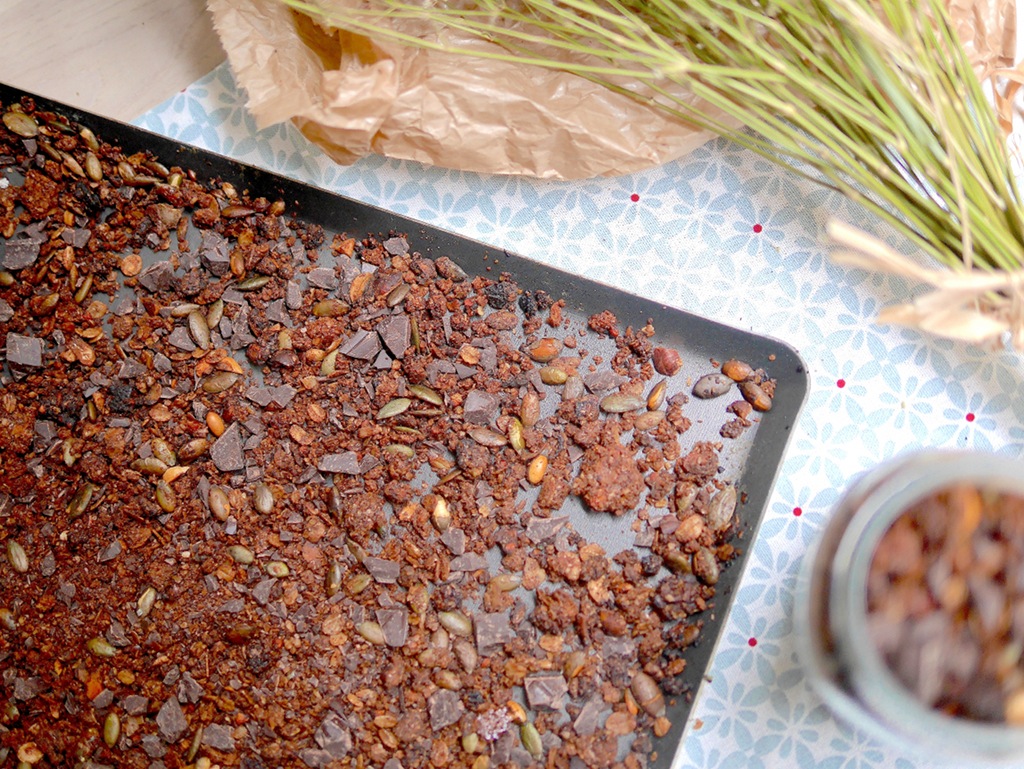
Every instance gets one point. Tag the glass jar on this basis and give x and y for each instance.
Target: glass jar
(842, 662)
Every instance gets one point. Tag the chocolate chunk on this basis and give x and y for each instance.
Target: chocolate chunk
(219, 737)
(315, 758)
(276, 314)
(395, 333)
(333, 737)
(293, 295)
(261, 593)
(170, 721)
(382, 361)
(464, 371)
(382, 570)
(493, 631)
(347, 463)
(46, 430)
(103, 700)
(19, 254)
(468, 562)
(6, 311)
(24, 351)
(76, 237)
(135, 704)
(394, 624)
(180, 338)
(589, 719)
(323, 277)
(226, 451)
(362, 345)
(110, 552)
(455, 540)
(153, 747)
(27, 688)
(480, 407)
(437, 367)
(214, 253)
(603, 380)
(158, 277)
(261, 396)
(132, 369)
(542, 529)
(396, 246)
(545, 691)
(189, 689)
(444, 708)
(282, 395)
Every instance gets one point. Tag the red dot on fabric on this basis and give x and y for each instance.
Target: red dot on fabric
(840, 383)
(634, 197)
(752, 642)
(797, 511)
(757, 228)
(970, 416)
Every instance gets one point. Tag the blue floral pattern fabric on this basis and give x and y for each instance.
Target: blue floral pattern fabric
(725, 234)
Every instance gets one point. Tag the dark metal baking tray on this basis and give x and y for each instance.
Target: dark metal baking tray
(752, 461)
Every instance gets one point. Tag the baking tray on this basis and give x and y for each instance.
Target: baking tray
(752, 461)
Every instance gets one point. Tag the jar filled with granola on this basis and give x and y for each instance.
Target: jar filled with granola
(910, 611)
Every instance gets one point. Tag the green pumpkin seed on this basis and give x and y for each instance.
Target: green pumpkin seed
(111, 729)
(441, 516)
(100, 647)
(427, 394)
(162, 450)
(23, 125)
(618, 403)
(241, 554)
(90, 139)
(215, 314)
(530, 738)
(553, 375)
(398, 294)
(515, 434)
(277, 569)
(470, 742)
(80, 501)
(165, 496)
(263, 499)
(485, 436)
(456, 623)
(721, 509)
(414, 333)
(400, 449)
(358, 583)
(184, 310)
(199, 330)
(6, 278)
(648, 420)
(193, 748)
(394, 408)
(145, 603)
(194, 449)
(220, 382)
(83, 291)
(329, 364)
(332, 582)
(574, 664)
(17, 556)
(72, 165)
(253, 283)
(149, 466)
(330, 308)
(372, 632)
(506, 582)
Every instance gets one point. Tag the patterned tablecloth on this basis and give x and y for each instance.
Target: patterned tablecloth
(727, 235)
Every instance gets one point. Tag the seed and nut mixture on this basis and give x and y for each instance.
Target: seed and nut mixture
(946, 602)
(276, 499)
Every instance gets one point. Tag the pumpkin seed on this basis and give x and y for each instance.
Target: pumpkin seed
(253, 283)
(529, 409)
(220, 381)
(199, 330)
(111, 729)
(545, 350)
(574, 664)
(72, 165)
(515, 434)
(648, 420)
(23, 125)
(193, 748)
(618, 403)
(427, 394)
(357, 583)
(6, 278)
(456, 623)
(446, 679)
(215, 422)
(174, 473)
(215, 314)
(236, 211)
(7, 619)
(329, 364)
(145, 603)
(149, 466)
(93, 169)
(506, 582)
(372, 632)
(165, 496)
(470, 742)
(100, 647)
(394, 408)
(241, 554)
(220, 505)
(263, 499)
(485, 436)
(466, 653)
(530, 738)
(332, 582)
(162, 450)
(401, 449)
(277, 569)
(705, 566)
(721, 509)
(89, 138)
(184, 310)
(194, 449)
(553, 375)
(80, 501)
(330, 308)
(398, 294)
(657, 395)
(712, 386)
(17, 556)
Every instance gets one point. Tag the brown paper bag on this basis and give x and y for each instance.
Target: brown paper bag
(353, 96)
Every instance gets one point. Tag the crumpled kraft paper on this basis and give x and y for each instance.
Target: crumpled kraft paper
(353, 96)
